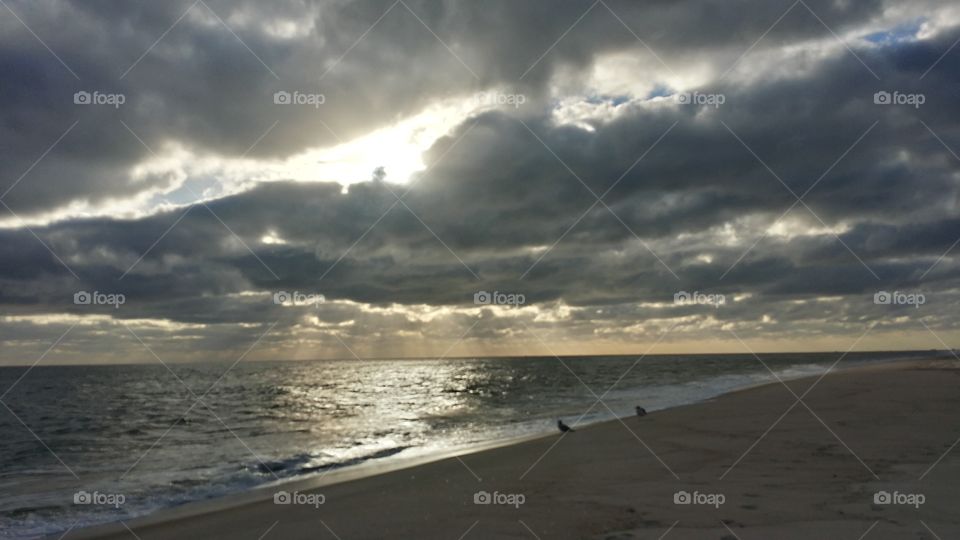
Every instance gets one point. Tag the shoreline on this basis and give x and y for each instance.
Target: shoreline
(369, 473)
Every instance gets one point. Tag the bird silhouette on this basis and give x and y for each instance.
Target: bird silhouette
(563, 427)
(641, 411)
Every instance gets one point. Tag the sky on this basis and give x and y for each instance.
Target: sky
(237, 180)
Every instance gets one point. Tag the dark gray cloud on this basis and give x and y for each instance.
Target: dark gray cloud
(509, 200)
(209, 76)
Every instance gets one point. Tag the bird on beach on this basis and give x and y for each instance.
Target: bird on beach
(563, 427)
(641, 411)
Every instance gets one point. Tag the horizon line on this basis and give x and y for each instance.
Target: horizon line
(488, 357)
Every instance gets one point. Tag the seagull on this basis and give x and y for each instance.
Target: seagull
(563, 427)
(641, 411)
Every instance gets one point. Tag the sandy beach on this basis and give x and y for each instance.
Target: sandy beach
(757, 463)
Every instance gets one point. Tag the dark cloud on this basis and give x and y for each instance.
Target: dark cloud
(208, 79)
(509, 201)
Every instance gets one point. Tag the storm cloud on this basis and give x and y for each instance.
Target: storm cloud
(795, 158)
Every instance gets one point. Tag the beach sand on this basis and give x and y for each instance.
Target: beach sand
(785, 469)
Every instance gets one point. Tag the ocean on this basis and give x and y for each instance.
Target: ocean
(134, 439)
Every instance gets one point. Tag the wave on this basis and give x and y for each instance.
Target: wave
(302, 464)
